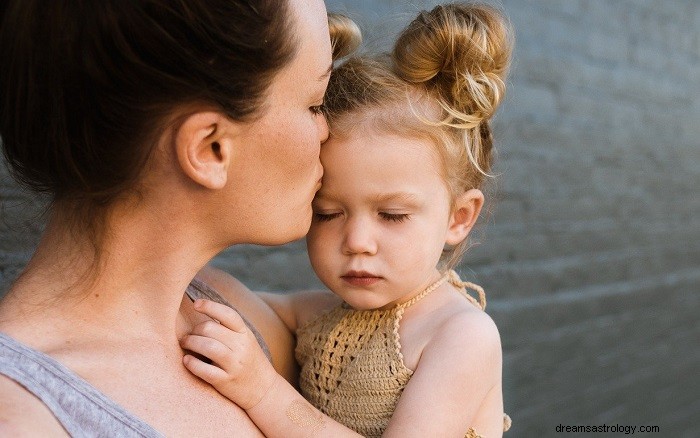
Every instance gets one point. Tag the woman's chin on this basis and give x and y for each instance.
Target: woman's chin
(279, 236)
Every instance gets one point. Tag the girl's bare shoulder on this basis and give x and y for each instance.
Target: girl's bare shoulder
(467, 334)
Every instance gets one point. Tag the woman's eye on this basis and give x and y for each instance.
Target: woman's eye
(325, 217)
(394, 217)
(317, 109)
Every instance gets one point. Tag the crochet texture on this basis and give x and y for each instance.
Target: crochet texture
(352, 368)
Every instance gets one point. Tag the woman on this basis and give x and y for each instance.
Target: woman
(164, 132)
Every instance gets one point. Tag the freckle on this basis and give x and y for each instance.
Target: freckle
(97, 295)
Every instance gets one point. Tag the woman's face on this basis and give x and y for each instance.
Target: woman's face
(277, 170)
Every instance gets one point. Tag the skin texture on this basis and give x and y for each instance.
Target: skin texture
(212, 182)
(452, 346)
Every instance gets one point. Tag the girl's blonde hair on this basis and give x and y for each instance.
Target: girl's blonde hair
(443, 81)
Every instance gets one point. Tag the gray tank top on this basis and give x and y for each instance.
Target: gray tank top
(81, 409)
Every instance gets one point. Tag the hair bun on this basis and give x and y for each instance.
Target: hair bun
(462, 52)
(345, 35)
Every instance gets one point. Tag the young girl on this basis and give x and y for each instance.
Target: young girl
(408, 352)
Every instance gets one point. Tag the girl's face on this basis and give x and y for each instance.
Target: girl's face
(381, 218)
(277, 169)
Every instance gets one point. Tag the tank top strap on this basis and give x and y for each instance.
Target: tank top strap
(423, 294)
(463, 286)
(199, 289)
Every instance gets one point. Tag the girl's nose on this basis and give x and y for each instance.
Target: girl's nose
(359, 238)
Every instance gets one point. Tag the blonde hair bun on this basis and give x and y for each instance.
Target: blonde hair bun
(345, 35)
(461, 51)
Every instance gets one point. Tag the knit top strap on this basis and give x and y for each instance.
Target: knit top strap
(422, 295)
(458, 283)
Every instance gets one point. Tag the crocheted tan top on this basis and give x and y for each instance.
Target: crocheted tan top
(351, 363)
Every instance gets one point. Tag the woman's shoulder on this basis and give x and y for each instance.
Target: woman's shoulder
(238, 295)
(229, 287)
(273, 330)
(23, 414)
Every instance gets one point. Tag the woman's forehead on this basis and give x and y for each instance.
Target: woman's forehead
(310, 29)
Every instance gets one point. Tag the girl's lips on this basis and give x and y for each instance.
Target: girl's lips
(360, 278)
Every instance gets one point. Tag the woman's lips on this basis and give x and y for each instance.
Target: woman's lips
(360, 278)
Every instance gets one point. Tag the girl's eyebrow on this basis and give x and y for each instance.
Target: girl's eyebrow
(405, 197)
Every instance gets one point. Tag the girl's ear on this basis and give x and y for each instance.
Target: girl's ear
(465, 212)
(204, 147)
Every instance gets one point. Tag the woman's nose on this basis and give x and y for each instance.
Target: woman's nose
(359, 238)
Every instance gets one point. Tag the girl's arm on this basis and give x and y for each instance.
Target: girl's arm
(241, 372)
(456, 384)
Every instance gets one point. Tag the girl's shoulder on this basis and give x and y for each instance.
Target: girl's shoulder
(308, 305)
(468, 325)
(464, 323)
(454, 327)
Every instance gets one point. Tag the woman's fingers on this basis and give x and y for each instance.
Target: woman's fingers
(222, 313)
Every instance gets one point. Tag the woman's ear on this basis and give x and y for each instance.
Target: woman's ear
(464, 214)
(204, 148)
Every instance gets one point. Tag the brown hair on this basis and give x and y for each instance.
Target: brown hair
(87, 86)
(443, 81)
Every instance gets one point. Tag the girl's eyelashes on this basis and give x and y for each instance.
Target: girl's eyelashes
(325, 217)
(394, 217)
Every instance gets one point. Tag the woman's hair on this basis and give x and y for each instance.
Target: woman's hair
(87, 86)
(443, 81)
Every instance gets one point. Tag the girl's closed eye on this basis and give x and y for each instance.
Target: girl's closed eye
(394, 217)
(325, 217)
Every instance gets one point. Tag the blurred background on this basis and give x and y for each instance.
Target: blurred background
(591, 256)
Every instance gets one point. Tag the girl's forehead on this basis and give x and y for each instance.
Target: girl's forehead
(376, 163)
(370, 145)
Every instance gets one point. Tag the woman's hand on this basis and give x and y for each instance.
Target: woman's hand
(239, 369)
